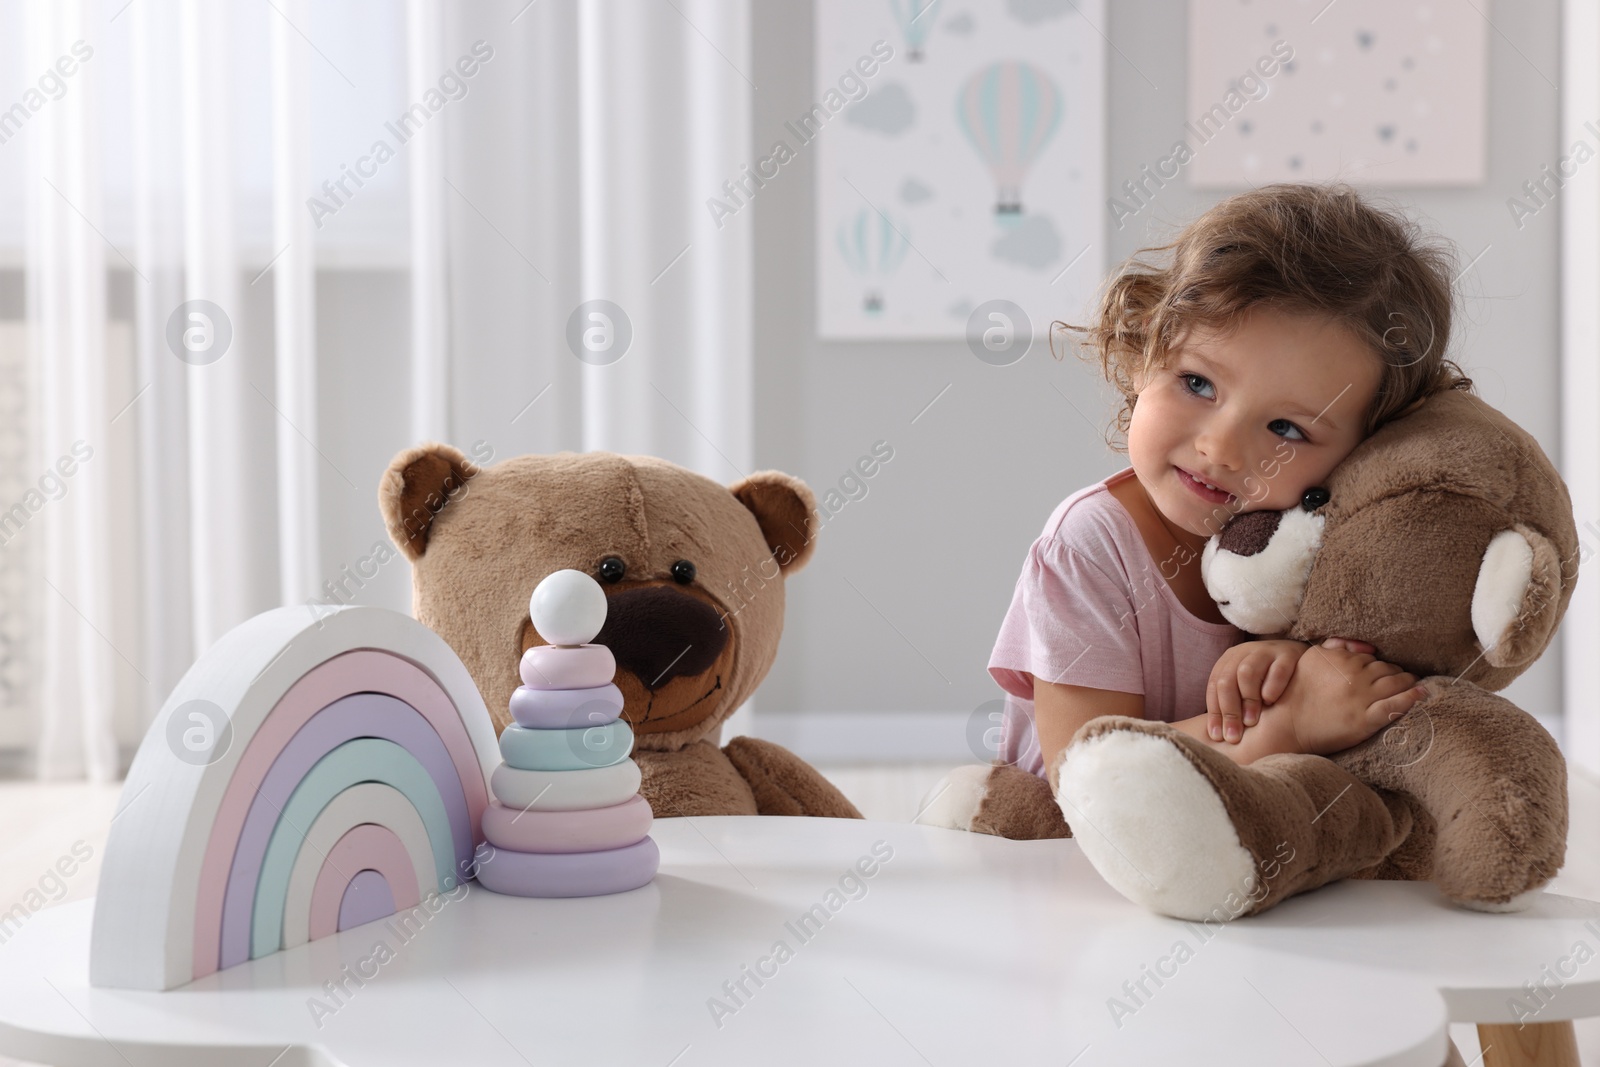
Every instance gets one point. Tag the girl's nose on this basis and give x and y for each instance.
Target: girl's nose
(1219, 446)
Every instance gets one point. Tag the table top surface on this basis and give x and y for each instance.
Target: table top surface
(955, 948)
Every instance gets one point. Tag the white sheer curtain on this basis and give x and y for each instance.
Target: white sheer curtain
(1580, 385)
(66, 312)
(243, 308)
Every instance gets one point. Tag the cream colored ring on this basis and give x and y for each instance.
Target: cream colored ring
(565, 790)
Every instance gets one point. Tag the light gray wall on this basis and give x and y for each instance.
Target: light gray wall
(899, 609)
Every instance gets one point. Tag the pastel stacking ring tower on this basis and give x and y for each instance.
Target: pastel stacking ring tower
(567, 819)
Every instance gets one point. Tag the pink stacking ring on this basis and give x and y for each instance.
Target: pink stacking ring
(584, 830)
(563, 709)
(567, 667)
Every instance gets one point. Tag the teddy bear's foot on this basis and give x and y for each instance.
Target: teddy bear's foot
(1186, 832)
(1502, 837)
(1150, 822)
(1020, 806)
(1488, 786)
(999, 799)
(1520, 902)
(954, 799)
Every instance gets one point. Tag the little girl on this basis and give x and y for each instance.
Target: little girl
(1291, 322)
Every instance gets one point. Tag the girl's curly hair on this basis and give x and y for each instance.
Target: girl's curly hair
(1298, 247)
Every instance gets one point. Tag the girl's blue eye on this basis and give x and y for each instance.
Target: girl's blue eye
(1275, 423)
(1196, 391)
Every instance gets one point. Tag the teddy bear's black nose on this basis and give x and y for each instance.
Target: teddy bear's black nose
(1249, 532)
(660, 634)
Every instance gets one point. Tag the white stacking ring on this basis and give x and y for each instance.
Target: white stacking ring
(565, 790)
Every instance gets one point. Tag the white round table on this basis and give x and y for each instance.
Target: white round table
(958, 949)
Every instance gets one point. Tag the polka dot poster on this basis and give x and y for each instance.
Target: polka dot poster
(1377, 92)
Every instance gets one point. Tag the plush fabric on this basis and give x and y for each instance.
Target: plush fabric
(688, 652)
(1448, 542)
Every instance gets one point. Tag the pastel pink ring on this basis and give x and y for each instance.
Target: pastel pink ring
(567, 666)
(583, 830)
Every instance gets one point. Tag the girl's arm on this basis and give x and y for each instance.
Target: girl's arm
(1058, 711)
(1336, 699)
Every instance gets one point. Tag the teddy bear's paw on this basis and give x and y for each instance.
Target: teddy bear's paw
(1152, 824)
(1520, 902)
(1501, 842)
(956, 798)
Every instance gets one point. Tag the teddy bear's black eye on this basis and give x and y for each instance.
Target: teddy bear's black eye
(683, 572)
(1314, 498)
(612, 569)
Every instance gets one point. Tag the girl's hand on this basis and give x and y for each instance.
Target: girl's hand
(1348, 643)
(1248, 676)
(1337, 699)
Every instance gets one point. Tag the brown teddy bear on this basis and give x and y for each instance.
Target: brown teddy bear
(694, 574)
(1447, 541)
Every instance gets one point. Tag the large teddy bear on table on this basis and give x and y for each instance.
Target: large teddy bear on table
(694, 575)
(1447, 541)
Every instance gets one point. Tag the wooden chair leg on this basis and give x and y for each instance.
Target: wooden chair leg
(1532, 1045)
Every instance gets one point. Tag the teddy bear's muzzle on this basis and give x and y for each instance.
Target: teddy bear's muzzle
(1250, 532)
(658, 633)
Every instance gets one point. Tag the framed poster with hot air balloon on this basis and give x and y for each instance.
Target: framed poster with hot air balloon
(960, 159)
(1009, 110)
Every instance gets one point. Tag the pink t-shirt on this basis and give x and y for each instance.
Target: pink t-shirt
(1092, 609)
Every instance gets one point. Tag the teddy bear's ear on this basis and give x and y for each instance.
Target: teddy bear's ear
(1517, 600)
(785, 508)
(417, 484)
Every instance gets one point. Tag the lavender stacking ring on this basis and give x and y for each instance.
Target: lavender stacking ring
(563, 709)
(570, 874)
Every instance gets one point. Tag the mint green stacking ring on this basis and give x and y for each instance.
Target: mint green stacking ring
(577, 749)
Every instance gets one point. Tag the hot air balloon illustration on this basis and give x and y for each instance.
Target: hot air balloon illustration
(873, 245)
(915, 18)
(1009, 111)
